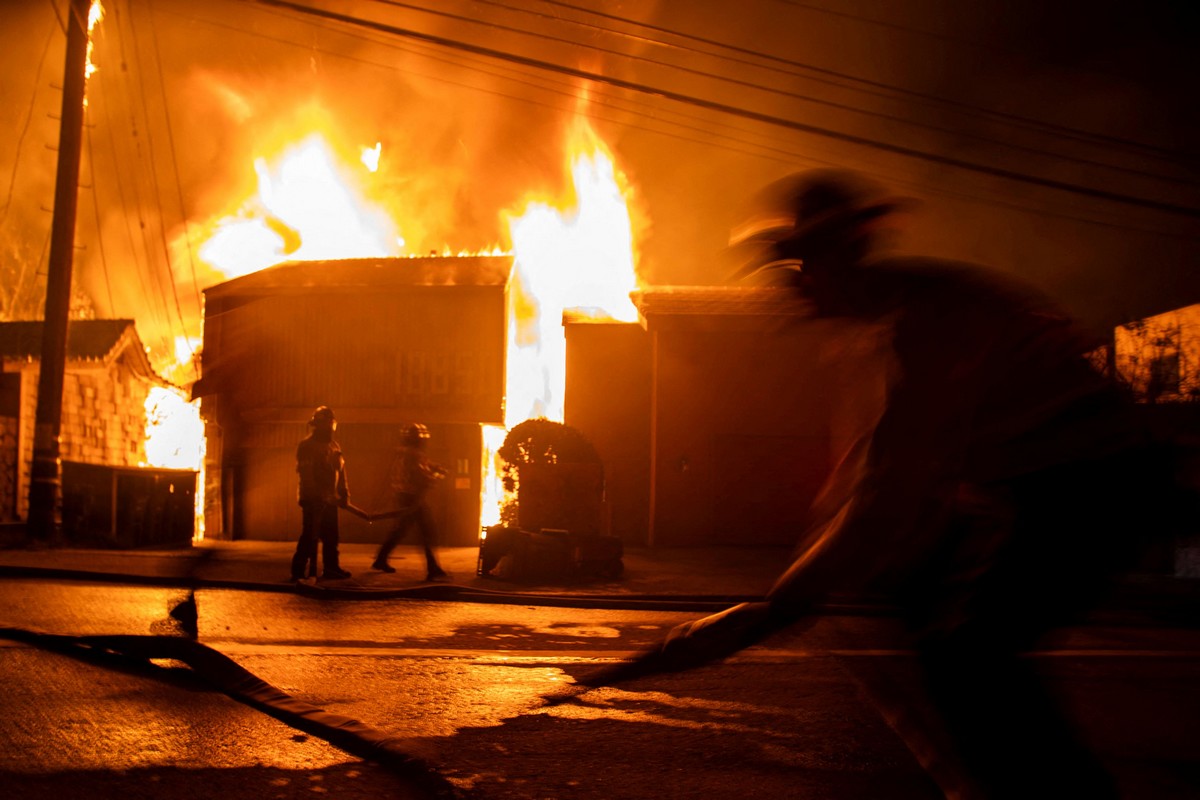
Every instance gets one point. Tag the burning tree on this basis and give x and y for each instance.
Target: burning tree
(553, 478)
(552, 510)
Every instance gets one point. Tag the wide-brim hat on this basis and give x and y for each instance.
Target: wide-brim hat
(797, 207)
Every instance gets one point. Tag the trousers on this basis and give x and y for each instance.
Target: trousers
(415, 513)
(318, 527)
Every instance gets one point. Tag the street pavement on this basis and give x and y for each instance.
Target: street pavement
(714, 575)
(1125, 677)
(691, 578)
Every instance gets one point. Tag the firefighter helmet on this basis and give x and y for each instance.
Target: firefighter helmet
(415, 433)
(322, 417)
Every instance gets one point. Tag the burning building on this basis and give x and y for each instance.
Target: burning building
(711, 414)
(332, 314)
(383, 341)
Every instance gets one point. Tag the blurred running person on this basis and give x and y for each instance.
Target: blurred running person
(411, 477)
(1002, 487)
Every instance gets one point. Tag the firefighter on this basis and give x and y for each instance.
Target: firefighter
(321, 470)
(1002, 486)
(411, 476)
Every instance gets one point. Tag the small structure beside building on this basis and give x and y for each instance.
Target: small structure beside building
(1158, 358)
(106, 382)
(722, 411)
(720, 414)
(382, 342)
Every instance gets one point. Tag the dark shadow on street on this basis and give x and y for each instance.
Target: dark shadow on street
(346, 782)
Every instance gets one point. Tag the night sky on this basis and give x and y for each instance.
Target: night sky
(1056, 143)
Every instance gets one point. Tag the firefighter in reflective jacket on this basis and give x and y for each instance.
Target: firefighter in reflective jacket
(322, 474)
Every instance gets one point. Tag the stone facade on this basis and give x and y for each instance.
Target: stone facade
(8, 468)
(106, 382)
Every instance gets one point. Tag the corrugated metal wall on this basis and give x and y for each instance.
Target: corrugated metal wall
(379, 355)
(434, 352)
(719, 426)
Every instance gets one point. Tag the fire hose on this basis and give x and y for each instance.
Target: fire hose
(226, 675)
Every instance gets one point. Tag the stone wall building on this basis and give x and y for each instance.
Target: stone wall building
(106, 382)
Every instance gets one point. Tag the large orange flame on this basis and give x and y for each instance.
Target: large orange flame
(580, 257)
(95, 14)
(175, 439)
(308, 207)
(577, 256)
(571, 254)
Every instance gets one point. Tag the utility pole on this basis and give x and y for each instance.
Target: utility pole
(45, 487)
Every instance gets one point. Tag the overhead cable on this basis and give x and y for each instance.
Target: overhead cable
(698, 130)
(96, 213)
(155, 183)
(840, 79)
(747, 84)
(175, 166)
(25, 127)
(769, 119)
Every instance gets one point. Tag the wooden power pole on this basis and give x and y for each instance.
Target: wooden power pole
(45, 488)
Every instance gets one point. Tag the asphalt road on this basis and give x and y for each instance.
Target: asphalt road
(826, 713)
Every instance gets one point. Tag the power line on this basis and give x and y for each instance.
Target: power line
(793, 155)
(12, 181)
(772, 151)
(62, 24)
(128, 216)
(96, 212)
(769, 119)
(956, 40)
(567, 90)
(840, 79)
(175, 166)
(137, 209)
(746, 84)
(161, 227)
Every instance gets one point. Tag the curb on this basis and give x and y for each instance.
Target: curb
(1140, 603)
(440, 591)
(444, 592)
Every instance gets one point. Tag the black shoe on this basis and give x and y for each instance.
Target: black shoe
(438, 576)
(334, 574)
(383, 566)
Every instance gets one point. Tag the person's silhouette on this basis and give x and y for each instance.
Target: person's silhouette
(1004, 484)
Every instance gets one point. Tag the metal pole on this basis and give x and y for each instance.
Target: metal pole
(45, 488)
